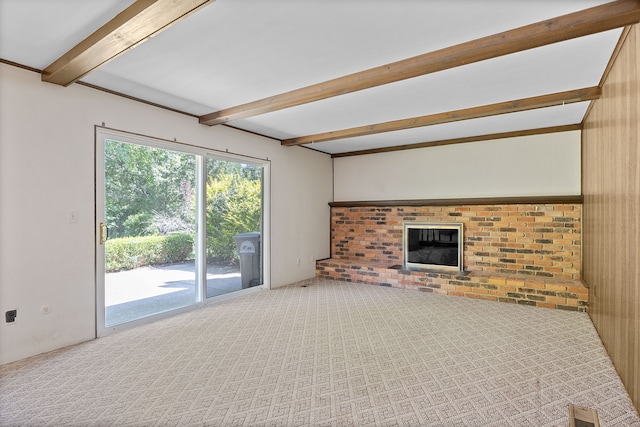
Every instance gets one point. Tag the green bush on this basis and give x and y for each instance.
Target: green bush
(177, 247)
(234, 206)
(127, 253)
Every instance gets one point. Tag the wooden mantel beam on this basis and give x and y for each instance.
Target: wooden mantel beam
(589, 21)
(131, 27)
(514, 106)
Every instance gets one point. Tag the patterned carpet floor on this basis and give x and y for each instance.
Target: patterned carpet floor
(327, 353)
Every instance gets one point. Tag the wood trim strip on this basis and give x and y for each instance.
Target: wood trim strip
(17, 65)
(131, 27)
(612, 60)
(614, 55)
(251, 132)
(133, 98)
(527, 200)
(585, 22)
(560, 98)
(164, 107)
(478, 138)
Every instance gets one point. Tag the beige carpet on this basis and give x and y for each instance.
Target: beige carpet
(330, 353)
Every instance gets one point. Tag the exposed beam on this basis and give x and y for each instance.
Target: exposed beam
(134, 25)
(477, 138)
(589, 21)
(515, 106)
(524, 200)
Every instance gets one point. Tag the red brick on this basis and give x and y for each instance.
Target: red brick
(358, 229)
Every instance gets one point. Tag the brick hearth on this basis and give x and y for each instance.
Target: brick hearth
(519, 253)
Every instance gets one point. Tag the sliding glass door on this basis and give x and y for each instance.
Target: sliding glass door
(233, 225)
(176, 226)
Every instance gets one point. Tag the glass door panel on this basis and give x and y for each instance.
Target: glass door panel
(150, 215)
(234, 206)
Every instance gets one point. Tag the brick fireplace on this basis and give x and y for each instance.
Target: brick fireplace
(524, 251)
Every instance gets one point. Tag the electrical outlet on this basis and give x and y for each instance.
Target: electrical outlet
(298, 261)
(10, 316)
(45, 309)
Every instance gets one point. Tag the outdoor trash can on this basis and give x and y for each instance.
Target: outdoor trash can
(248, 245)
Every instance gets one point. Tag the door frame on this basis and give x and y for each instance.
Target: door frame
(201, 153)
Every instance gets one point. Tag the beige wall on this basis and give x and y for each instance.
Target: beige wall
(47, 169)
(611, 213)
(538, 165)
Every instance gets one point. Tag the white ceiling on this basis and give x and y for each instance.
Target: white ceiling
(237, 51)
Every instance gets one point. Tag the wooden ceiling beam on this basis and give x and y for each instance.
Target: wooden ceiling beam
(589, 21)
(560, 98)
(465, 140)
(134, 25)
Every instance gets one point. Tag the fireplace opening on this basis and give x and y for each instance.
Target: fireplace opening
(433, 246)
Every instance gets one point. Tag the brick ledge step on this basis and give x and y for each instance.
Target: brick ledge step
(547, 292)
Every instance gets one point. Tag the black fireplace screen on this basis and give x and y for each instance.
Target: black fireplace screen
(434, 246)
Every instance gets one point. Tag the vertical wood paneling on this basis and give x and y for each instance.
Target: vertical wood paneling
(611, 213)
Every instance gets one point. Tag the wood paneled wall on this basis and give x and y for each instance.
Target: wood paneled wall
(611, 213)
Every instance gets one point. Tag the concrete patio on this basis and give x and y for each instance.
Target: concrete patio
(144, 291)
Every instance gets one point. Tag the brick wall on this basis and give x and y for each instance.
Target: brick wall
(523, 239)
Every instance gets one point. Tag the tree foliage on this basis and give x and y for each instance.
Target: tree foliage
(234, 206)
(151, 192)
(145, 183)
